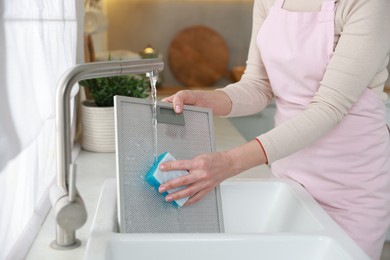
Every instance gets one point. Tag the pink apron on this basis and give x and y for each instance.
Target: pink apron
(348, 170)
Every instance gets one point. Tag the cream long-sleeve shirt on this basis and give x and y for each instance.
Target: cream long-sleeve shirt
(361, 54)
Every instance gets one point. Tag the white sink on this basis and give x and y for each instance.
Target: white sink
(264, 219)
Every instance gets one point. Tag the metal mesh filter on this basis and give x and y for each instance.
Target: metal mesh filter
(142, 209)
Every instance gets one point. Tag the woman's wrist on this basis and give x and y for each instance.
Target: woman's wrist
(245, 157)
(218, 101)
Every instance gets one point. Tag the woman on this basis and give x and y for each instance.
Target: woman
(324, 62)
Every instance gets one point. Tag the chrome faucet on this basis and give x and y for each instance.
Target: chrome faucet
(69, 208)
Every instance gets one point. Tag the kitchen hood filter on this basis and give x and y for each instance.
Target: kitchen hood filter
(141, 209)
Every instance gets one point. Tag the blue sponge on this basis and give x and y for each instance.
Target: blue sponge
(155, 177)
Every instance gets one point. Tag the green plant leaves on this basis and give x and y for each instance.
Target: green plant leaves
(103, 90)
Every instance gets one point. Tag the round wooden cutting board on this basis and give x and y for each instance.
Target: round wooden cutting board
(198, 56)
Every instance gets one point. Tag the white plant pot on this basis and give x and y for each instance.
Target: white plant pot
(98, 128)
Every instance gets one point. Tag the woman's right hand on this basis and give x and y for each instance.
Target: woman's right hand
(218, 101)
(184, 97)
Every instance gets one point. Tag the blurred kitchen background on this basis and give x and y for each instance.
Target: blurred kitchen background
(132, 25)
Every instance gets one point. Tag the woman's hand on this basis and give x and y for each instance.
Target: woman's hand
(205, 172)
(208, 170)
(218, 101)
(188, 97)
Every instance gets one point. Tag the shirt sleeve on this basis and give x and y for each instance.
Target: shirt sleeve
(359, 61)
(360, 57)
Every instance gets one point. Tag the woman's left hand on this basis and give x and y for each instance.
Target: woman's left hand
(205, 172)
(208, 170)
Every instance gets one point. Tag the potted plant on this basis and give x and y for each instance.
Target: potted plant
(97, 112)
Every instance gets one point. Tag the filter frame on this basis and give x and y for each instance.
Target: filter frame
(205, 216)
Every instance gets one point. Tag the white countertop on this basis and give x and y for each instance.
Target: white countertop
(93, 169)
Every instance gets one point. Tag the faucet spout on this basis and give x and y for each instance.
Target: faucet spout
(68, 204)
(152, 73)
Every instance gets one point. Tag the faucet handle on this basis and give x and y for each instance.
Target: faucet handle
(72, 183)
(70, 213)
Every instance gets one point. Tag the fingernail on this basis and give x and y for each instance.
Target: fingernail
(168, 198)
(162, 189)
(177, 109)
(162, 167)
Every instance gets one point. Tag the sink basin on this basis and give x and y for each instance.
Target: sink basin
(263, 219)
(255, 206)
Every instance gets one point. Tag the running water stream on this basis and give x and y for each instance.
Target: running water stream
(153, 81)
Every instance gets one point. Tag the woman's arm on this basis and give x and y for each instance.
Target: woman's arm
(208, 170)
(362, 52)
